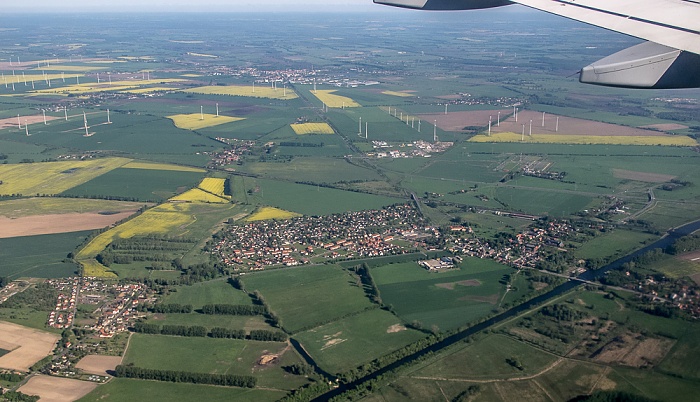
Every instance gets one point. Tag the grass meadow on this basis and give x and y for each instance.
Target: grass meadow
(127, 390)
(446, 300)
(350, 342)
(215, 356)
(306, 297)
(212, 292)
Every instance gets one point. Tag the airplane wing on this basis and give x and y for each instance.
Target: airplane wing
(669, 59)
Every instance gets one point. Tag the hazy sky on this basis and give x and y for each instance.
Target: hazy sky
(191, 5)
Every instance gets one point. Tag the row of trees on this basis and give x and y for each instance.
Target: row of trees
(369, 285)
(262, 335)
(233, 309)
(228, 380)
(172, 308)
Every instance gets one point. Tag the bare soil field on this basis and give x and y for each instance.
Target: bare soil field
(635, 353)
(100, 365)
(666, 127)
(693, 256)
(453, 285)
(27, 346)
(56, 389)
(12, 121)
(642, 176)
(57, 223)
(456, 121)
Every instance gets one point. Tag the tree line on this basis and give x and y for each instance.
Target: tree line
(233, 309)
(261, 335)
(227, 380)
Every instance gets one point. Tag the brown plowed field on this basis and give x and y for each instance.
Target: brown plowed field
(26, 345)
(56, 389)
(456, 121)
(58, 223)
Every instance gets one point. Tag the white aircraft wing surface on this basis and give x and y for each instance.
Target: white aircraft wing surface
(670, 58)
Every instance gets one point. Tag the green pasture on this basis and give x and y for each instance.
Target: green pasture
(446, 300)
(487, 360)
(309, 296)
(613, 244)
(212, 292)
(128, 390)
(42, 256)
(350, 342)
(215, 356)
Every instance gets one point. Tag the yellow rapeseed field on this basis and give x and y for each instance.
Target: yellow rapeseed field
(159, 220)
(214, 186)
(21, 207)
(676, 140)
(203, 55)
(192, 75)
(199, 195)
(161, 166)
(267, 213)
(194, 121)
(335, 101)
(53, 177)
(399, 94)
(312, 128)
(92, 268)
(103, 86)
(246, 90)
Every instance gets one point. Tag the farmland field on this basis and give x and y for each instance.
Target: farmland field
(53, 177)
(672, 140)
(617, 243)
(335, 101)
(312, 128)
(44, 206)
(215, 356)
(27, 346)
(127, 390)
(197, 121)
(22, 258)
(161, 166)
(446, 300)
(212, 292)
(350, 342)
(305, 199)
(247, 91)
(306, 297)
(267, 213)
(141, 184)
(199, 195)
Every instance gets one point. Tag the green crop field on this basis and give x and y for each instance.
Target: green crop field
(39, 256)
(348, 343)
(614, 244)
(306, 297)
(313, 169)
(305, 199)
(215, 356)
(446, 300)
(212, 292)
(126, 390)
(144, 185)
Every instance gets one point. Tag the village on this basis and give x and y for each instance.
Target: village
(393, 230)
(114, 304)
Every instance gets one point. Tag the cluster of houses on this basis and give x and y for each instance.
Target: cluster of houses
(416, 149)
(116, 315)
(63, 313)
(295, 241)
(521, 251)
(303, 76)
(231, 155)
(117, 303)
